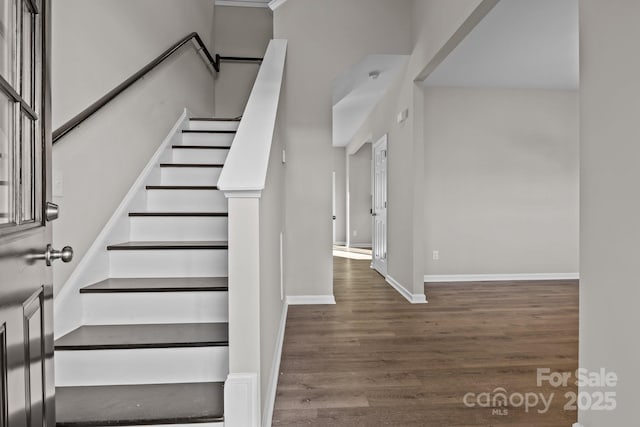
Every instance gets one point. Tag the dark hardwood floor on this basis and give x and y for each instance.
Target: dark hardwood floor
(374, 359)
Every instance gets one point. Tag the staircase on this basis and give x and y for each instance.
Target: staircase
(153, 346)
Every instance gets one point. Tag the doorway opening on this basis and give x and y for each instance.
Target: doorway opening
(352, 203)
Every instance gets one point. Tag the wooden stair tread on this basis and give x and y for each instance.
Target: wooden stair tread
(191, 165)
(163, 284)
(118, 337)
(181, 187)
(129, 246)
(209, 131)
(178, 214)
(198, 147)
(123, 405)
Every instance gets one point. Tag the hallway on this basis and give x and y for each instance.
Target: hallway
(374, 359)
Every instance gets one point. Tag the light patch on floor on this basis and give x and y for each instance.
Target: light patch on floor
(351, 253)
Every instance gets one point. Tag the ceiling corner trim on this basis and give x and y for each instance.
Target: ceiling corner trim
(242, 3)
(274, 4)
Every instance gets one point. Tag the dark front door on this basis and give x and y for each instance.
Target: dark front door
(26, 309)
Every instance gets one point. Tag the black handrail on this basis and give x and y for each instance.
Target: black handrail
(220, 59)
(96, 106)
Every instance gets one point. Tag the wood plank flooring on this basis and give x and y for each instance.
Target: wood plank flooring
(374, 359)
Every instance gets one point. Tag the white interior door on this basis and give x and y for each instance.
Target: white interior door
(379, 209)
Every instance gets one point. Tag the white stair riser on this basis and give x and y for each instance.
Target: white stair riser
(213, 125)
(141, 366)
(186, 201)
(189, 176)
(178, 228)
(208, 139)
(196, 155)
(168, 263)
(155, 308)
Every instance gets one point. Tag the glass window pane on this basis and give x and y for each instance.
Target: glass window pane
(27, 56)
(37, 61)
(27, 172)
(7, 45)
(6, 173)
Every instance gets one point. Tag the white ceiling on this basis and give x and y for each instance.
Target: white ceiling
(355, 94)
(519, 44)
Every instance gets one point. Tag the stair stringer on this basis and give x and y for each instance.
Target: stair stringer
(94, 265)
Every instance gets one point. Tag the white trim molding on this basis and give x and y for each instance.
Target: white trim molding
(243, 194)
(267, 412)
(433, 278)
(274, 4)
(361, 245)
(311, 300)
(577, 425)
(241, 400)
(242, 3)
(412, 298)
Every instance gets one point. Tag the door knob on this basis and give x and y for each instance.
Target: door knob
(50, 255)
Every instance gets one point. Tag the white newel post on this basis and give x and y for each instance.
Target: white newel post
(242, 389)
(242, 180)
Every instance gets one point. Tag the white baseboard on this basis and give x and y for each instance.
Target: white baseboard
(431, 278)
(275, 371)
(340, 244)
(241, 398)
(360, 245)
(577, 425)
(311, 300)
(412, 298)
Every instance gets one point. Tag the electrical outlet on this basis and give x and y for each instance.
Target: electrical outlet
(436, 255)
(355, 233)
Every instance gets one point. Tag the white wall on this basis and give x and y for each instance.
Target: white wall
(271, 304)
(96, 45)
(501, 181)
(325, 39)
(609, 204)
(434, 22)
(239, 31)
(360, 197)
